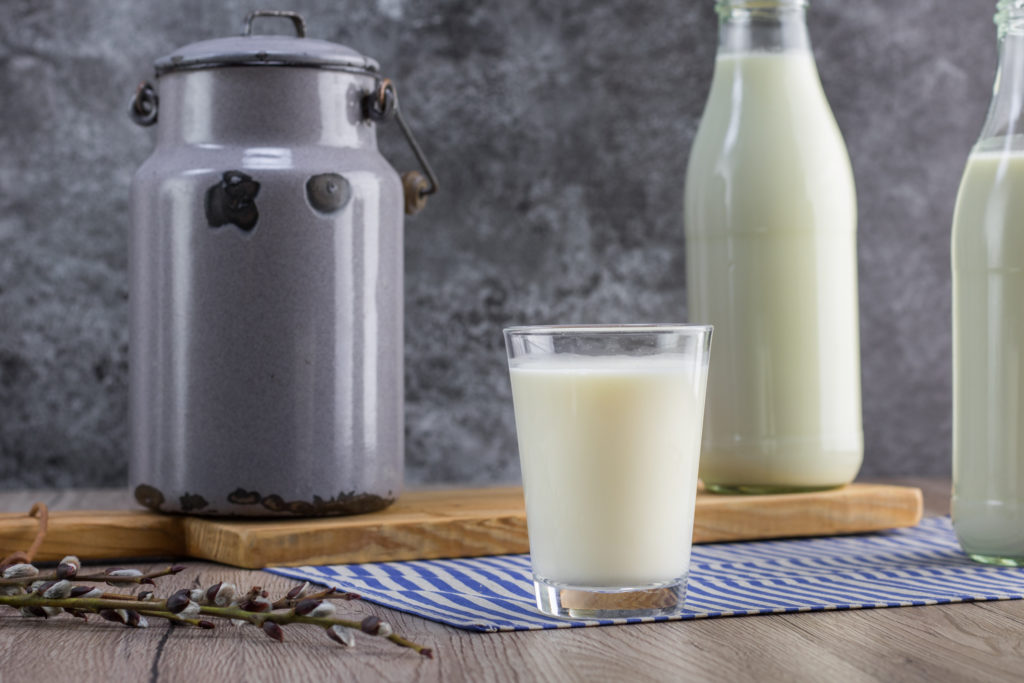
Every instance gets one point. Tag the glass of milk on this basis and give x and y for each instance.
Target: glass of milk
(609, 425)
(988, 319)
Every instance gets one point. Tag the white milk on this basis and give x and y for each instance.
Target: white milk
(609, 449)
(771, 262)
(988, 352)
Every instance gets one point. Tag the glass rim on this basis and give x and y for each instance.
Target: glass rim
(613, 329)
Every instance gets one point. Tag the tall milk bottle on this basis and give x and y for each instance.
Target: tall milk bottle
(988, 319)
(771, 216)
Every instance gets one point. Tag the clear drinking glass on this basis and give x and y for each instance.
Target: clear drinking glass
(609, 425)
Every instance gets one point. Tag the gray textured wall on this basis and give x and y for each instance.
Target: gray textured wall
(560, 131)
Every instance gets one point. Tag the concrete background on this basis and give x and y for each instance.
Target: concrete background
(560, 131)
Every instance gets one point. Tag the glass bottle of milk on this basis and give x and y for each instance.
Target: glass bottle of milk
(988, 319)
(771, 215)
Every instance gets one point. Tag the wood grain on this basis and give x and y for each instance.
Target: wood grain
(437, 523)
(420, 525)
(851, 509)
(101, 535)
(966, 642)
(923, 643)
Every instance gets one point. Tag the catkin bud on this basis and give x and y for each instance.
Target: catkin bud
(306, 606)
(211, 593)
(298, 591)
(178, 601)
(123, 572)
(273, 630)
(68, 567)
(257, 604)
(20, 571)
(60, 589)
(136, 620)
(341, 634)
(371, 624)
(225, 595)
(191, 609)
(118, 616)
(323, 610)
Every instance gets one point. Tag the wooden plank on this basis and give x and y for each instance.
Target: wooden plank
(851, 509)
(96, 534)
(420, 525)
(961, 642)
(436, 523)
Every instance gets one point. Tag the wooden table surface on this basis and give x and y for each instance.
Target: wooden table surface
(964, 642)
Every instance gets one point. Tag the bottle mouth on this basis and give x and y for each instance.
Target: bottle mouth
(782, 4)
(1009, 17)
(727, 8)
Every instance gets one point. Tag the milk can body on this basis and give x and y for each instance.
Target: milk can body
(266, 290)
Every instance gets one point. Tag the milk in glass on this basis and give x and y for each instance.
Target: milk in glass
(609, 448)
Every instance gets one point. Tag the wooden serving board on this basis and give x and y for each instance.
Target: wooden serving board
(433, 524)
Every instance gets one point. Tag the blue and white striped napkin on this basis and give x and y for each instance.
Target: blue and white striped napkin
(922, 565)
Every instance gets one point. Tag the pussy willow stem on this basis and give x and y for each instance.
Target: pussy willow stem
(257, 618)
(158, 608)
(170, 617)
(90, 604)
(329, 593)
(94, 578)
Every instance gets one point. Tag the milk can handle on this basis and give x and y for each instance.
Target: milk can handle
(143, 109)
(297, 20)
(381, 105)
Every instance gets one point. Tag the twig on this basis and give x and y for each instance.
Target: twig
(134, 577)
(40, 511)
(159, 609)
(46, 595)
(328, 594)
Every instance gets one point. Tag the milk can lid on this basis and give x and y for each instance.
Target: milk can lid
(266, 50)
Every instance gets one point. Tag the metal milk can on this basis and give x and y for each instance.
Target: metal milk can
(266, 281)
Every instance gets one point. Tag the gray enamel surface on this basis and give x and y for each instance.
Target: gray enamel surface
(265, 357)
(264, 49)
(560, 133)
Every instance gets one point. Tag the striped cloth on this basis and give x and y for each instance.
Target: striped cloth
(922, 565)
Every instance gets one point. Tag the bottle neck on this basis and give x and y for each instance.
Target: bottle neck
(762, 26)
(1004, 126)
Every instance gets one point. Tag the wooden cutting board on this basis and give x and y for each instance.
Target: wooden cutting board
(433, 524)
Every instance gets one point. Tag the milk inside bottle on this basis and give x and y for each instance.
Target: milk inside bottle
(770, 213)
(988, 320)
